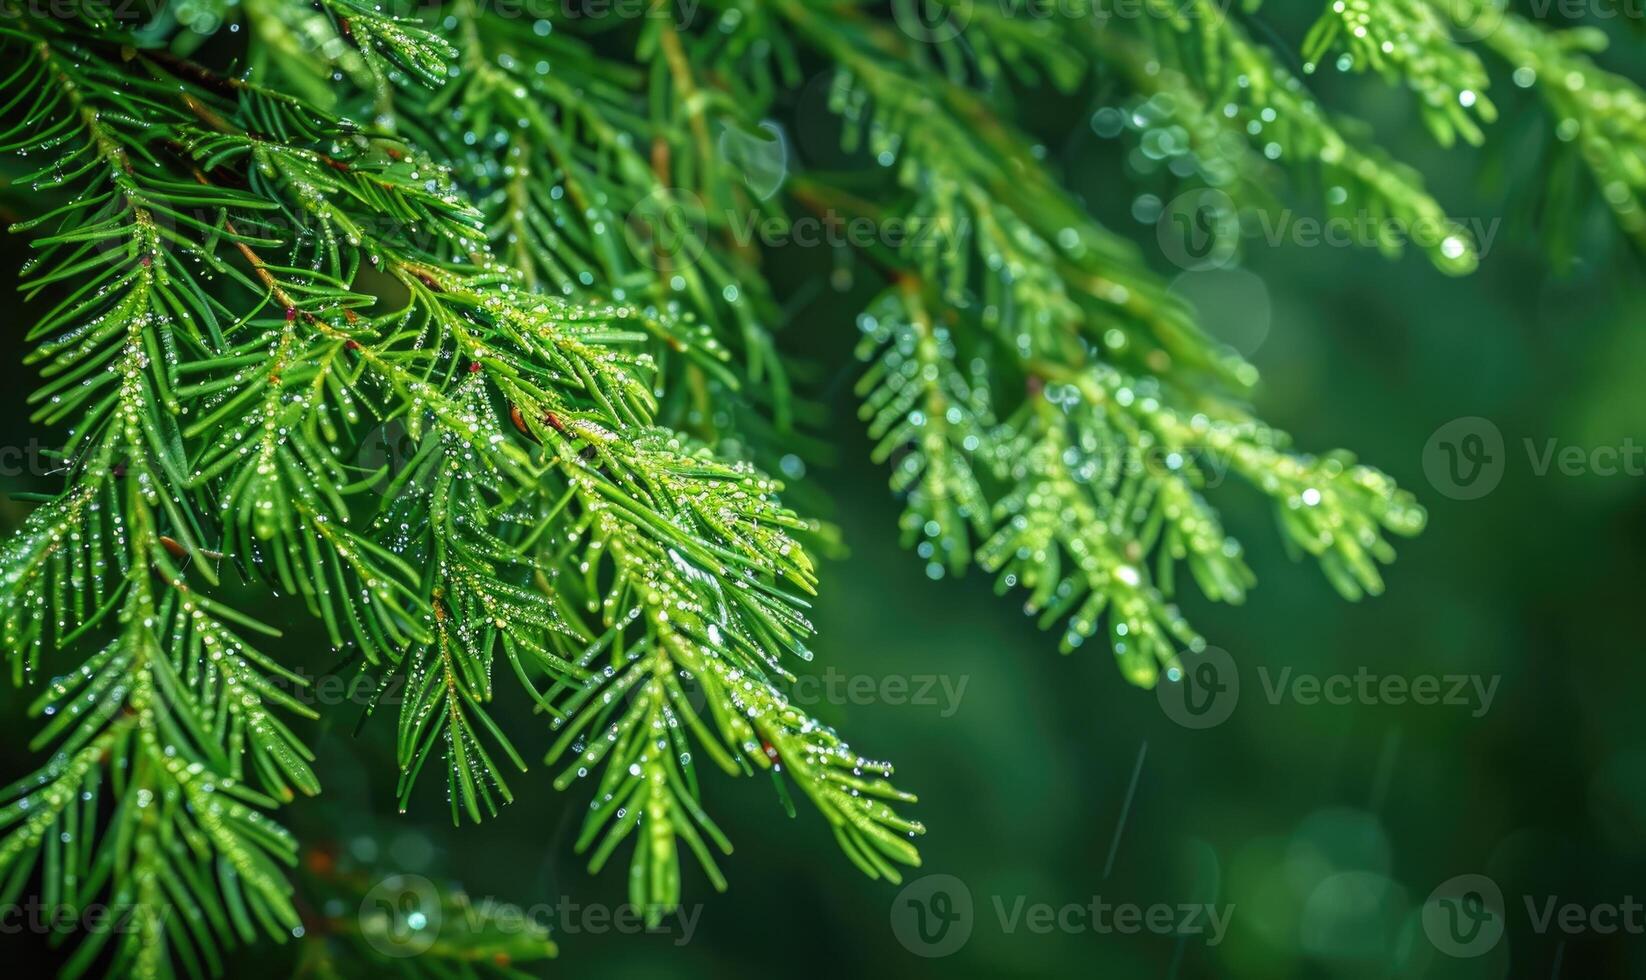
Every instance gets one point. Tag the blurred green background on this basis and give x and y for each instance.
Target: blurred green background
(1050, 781)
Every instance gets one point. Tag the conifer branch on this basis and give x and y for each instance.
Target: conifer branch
(489, 385)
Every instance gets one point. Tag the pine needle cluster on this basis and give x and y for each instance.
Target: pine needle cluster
(436, 323)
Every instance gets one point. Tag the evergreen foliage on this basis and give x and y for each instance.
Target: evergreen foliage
(274, 237)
